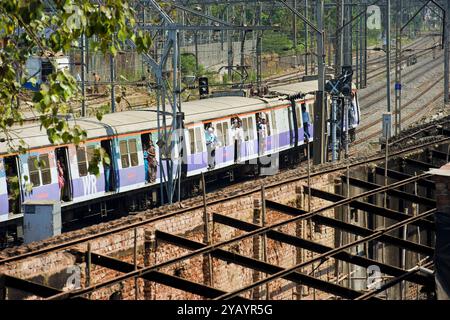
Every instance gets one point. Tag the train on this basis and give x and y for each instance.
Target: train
(122, 187)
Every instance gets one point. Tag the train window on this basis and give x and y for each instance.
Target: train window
(222, 133)
(192, 140)
(34, 171)
(311, 112)
(274, 120)
(45, 169)
(41, 171)
(82, 164)
(124, 154)
(84, 157)
(247, 125)
(133, 152)
(198, 140)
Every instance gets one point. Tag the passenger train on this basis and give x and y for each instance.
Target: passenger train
(123, 136)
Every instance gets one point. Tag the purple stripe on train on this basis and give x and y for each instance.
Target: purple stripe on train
(4, 205)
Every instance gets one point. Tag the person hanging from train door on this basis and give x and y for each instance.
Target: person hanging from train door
(152, 162)
(61, 179)
(146, 164)
(262, 135)
(211, 141)
(305, 119)
(238, 136)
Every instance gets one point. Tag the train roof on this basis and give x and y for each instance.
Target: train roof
(138, 120)
(293, 88)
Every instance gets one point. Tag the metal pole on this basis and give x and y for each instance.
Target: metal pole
(334, 148)
(345, 125)
(398, 66)
(306, 38)
(135, 253)
(83, 75)
(264, 238)
(319, 150)
(207, 231)
(294, 25)
(258, 48)
(446, 54)
(347, 46)
(112, 79)
(365, 47)
(388, 55)
(361, 49)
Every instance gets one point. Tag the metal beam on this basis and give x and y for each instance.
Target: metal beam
(157, 276)
(392, 192)
(181, 27)
(355, 229)
(397, 175)
(441, 155)
(315, 247)
(259, 265)
(367, 207)
(29, 286)
(420, 164)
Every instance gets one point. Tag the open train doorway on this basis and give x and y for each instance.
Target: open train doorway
(12, 183)
(109, 169)
(63, 170)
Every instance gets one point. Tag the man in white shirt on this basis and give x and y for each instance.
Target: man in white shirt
(238, 136)
(262, 133)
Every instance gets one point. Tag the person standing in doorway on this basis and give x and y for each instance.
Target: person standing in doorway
(211, 141)
(61, 179)
(146, 164)
(152, 162)
(262, 134)
(238, 135)
(305, 119)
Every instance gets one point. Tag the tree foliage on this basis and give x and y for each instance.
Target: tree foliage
(28, 27)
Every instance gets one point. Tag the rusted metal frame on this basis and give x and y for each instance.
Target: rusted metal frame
(259, 265)
(157, 276)
(355, 229)
(401, 176)
(212, 247)
(381, 211)
(38, 289)
(316, 247)
(420, 164)
(393, 282)
(392, 192)
(326, 255)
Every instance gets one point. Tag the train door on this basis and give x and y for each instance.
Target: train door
(109, 169)
(12, 183)
(64, 173)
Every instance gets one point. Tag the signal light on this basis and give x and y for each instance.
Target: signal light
(203, 87)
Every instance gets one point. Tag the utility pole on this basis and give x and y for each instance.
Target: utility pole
(446, 53)
(320, 112)
(398, 68)
(306, 38)
(258, 47)
(347, 44)
(83, 75)
(112, 79)
(294, 25)
(365, 44)
(339, 38)
(388, 54)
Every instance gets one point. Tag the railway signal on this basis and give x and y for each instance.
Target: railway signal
(203, 87)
